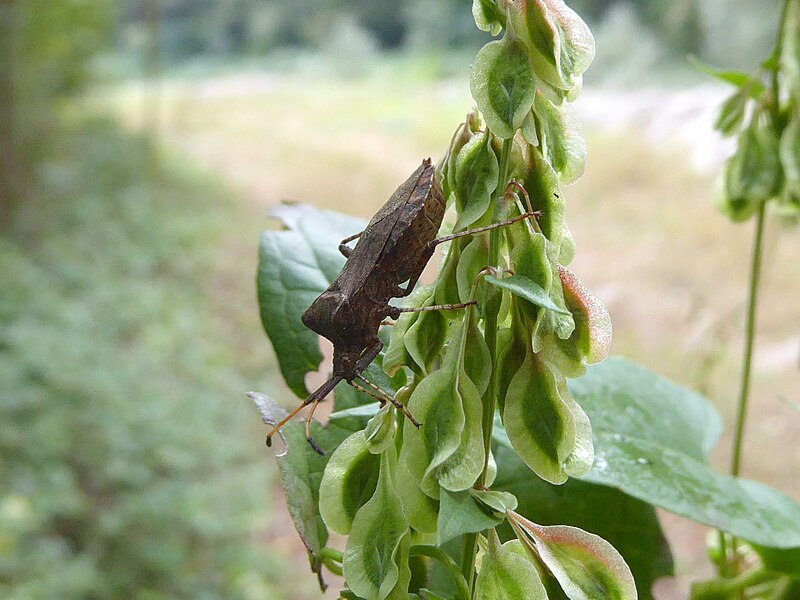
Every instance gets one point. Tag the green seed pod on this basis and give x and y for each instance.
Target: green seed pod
(505, 573)
(475, 178)
(425, 337)
(375, 562)
(539, 423)
(560, 44)
(503, 85)
(560, 139)
(790, 161)
(541, 182)
(473, 259)
(790, 57)
(396, 355)
(348, 482)
(585, 565)
(461, 137)
(490, 15)
(446, 282)
(512, 342)
(380, 429)
(753, 174)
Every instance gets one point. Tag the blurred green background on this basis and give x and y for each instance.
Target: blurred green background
(140, 144)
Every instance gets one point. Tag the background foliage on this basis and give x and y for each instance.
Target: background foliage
(252, 27)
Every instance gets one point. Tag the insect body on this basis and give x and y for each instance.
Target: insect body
(386, 263)
(393, 250)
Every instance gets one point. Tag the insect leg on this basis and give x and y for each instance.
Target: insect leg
(309, 416)
(313, 398)
(368, 356)
(344, 248)
(387, 396)
(459, 234)
(364, 390)
(396, 311)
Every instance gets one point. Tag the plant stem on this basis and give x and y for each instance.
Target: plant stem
(490, 321)
(439, 555)
(755, 275)
(750, 334)
(776, 57)
(750, 327)
(490, 334)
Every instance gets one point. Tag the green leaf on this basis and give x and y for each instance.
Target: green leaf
(532, 256)
(476, 173)
(539, 423)
(627, 399)
(295, 265)
(648, 471)
(738, 79)
(561, 141)
(460, 513)
(785, 561)
(348, 482)
(586, 566)
(506, 574)
(461, 136)
(376, 556)
(498, 501)
(301, 470)
(528, 129)
(503, 85)
(628, 524)
(521, 286)
(354, 418)
(650, 435)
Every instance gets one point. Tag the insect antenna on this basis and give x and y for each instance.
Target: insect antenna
(314, 398)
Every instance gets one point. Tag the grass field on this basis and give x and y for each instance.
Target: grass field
(649, 241)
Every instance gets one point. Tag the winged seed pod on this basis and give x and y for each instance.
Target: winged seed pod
(585, 565)
(753, 174)
(560, 44)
